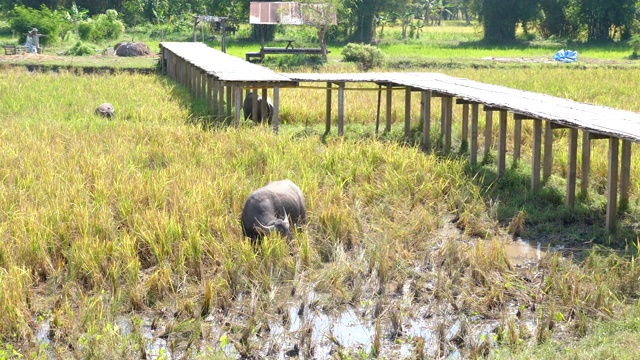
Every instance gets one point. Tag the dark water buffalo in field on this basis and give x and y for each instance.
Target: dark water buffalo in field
(247, 107)
(106, 110)
(270, 208)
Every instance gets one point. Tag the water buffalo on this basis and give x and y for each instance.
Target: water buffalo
(247, 107)
(270, 208)
(106, 110)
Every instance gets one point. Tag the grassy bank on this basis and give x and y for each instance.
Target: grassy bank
(121, 238)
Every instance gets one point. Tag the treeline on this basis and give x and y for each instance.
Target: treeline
(582, 20)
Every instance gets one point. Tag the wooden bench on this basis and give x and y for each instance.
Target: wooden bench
(14, 49)
(279, 51)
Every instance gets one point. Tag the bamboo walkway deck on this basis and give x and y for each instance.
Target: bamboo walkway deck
(210, 74)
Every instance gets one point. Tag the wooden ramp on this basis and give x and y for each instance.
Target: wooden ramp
(210, 74)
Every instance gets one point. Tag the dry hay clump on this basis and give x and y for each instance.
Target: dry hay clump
(126, 48)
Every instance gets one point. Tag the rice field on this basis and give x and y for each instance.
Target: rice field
(122, 239)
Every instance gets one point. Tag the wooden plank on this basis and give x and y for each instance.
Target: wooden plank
(327, 119)
(473, 154)
(341, 109)
(407, 113)
(276, 109)
(586, 164)
(517, 140)
(492, 108)
(612, 185)
(625, 174)
(502, 143)
(465, 126)
(558, 126)
(548, 151)
(536, 155)
(425, 114)
(572, 165)
(388, 109)
(209, 91)
(488, 133)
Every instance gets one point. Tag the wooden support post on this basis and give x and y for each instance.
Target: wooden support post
(448, 122)
(517, 140)
(625, 174)
(407, 113)
(163, 61)
(264, 106)
(276, 108)
(209, 91)
(254, 106)
(216, 89)
(388, 108)
(572, 164)
(488, 133)
(229, 102)
(425, 114)
(221, 100)
(327, 127)
(586, 163)
(612, 184)
(198, 82)
(548, 151)
(536, 154)
(341, 109)
(502, 143)
(465, 127)
(238, 106)
(473, 153)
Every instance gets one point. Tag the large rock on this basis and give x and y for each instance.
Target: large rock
(126, 48)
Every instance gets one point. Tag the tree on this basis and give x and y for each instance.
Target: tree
(321, 16)
(500, 17)
(603, 19)
(366, 11)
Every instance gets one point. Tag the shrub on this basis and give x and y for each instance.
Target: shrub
(367, 56)
(80, 49)
(86, 30)
(107, 26)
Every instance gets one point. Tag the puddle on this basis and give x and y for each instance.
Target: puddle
(42, 335)
(524, 252)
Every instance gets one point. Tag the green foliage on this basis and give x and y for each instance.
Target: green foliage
(635, 44)
(23, 19)
(107, 26)
(366, 56)
(80, 48)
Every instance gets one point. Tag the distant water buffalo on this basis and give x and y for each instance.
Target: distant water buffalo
(106, 110)
(247, 108)
(270, 208)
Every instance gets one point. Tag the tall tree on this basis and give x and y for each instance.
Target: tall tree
(604, 19)
(322, 16)
(366, 12)
(500, 17)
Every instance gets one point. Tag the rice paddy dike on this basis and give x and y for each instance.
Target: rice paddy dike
(122, 238)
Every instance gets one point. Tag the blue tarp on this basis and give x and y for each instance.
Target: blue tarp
(566, 56)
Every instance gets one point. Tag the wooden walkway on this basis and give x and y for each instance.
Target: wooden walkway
(208, 72)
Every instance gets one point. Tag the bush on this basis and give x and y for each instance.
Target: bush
(367, 56)
(80, 49)
(86, 30)
(107, 26)
(23, 19)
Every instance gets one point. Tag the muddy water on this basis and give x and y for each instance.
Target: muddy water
(524, 252)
